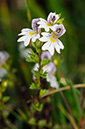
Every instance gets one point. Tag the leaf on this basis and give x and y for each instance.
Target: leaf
(38, 108)
(44, 74)
(23, 115)
(60, 21)
(32, 121)
(59, 15)
(33, 57)
(39, 74)
(45, 62)
(33, 86)
(5, 99)
(41, 123)
(43, 92)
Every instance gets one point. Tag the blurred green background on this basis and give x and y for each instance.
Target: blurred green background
(13, 17)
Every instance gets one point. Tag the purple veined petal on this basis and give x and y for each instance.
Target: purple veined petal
(48, 46)
(49, 68)
(53, 68)
(45, 55)
(35, 24)
(57, 47)
(52, 18)
(41, 21)
(53, 82)
(59, 30)
(60, 44)
(36, 36)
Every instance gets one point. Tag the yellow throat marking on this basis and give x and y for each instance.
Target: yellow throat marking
(48, 24)
(52, 40)
(31, 33)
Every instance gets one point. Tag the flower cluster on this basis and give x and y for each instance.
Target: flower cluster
(49, 40)
(53, 32)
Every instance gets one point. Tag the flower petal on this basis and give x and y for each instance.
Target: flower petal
(60, 43)
(52, 79)
(27, 41)
(59, 30)
(36, 36)
(43, 39)
(21, 39)
(45, 34)
(48, 46)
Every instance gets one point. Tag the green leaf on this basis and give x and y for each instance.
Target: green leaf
(5, 99)
(33, 57)
(59, 14)
(43, 92)
(33, 86)
(41, 123)
(38, 108)
(32, 121)
(60, 21)
(23, 115)
(39, 74)
(44, 75)
(45, 62)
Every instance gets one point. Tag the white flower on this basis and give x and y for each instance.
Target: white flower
(51, 69)
(29, 34)
(52, 40)
(51, 19)
(3, 57)
(52, 79)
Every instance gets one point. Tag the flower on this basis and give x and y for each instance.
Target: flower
(3, 57)
(51, 69)
(51, 19)
(29, 34)
(52, 40)
(52, 79)
(45, 55)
